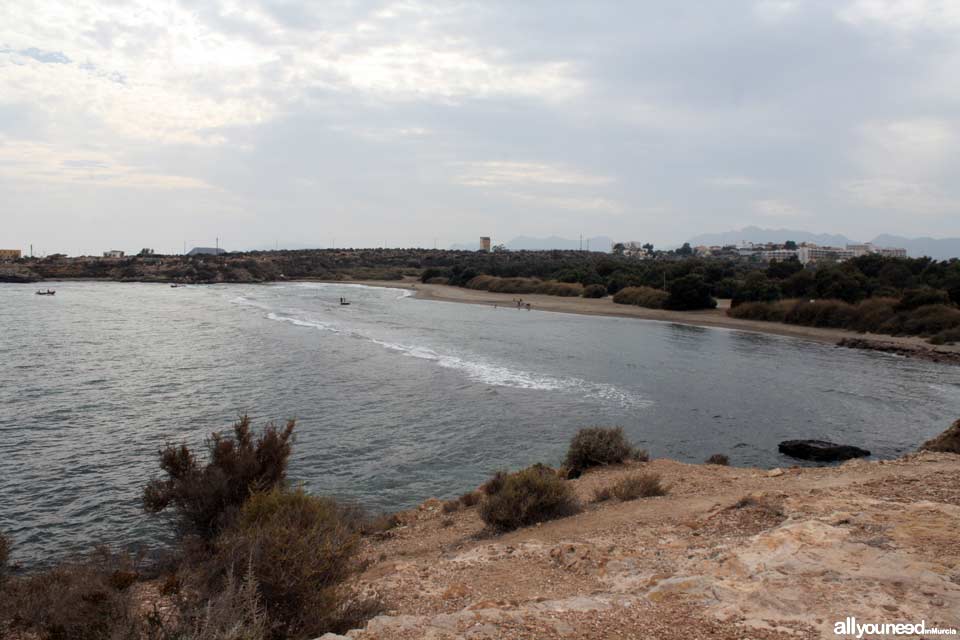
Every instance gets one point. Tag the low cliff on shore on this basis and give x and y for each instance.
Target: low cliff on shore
(728, 553)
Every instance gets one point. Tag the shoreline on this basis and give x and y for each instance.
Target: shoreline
(906, 346)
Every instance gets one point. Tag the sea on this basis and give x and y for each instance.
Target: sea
(396, 399)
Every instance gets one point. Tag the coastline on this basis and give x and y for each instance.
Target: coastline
(908, 346)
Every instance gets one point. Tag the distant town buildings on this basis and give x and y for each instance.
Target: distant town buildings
(205, 251)
(868, 248)
(806, 252)
(485, 244)
(633, 250)
(9, 254)
(113, 253)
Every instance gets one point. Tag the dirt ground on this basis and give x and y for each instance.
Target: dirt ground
(728, 553)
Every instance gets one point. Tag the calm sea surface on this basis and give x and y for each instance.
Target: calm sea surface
(396, 399)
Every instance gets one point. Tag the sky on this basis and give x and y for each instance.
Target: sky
(364, 123)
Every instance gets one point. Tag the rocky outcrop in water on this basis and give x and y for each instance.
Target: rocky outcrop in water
(17, 273)
(923, 353)
(820, 450)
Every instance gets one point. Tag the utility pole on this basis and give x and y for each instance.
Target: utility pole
(581, 242)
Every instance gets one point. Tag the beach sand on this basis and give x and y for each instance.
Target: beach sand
(709, 318)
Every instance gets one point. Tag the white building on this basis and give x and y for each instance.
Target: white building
(778, 254)
(808, 253)
(868, 248)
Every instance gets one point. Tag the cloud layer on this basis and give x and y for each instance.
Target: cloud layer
(406, 123)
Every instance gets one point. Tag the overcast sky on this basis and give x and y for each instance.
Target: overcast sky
(154, 123)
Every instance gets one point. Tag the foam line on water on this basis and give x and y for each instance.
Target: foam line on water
(485, 372)
(501, 376)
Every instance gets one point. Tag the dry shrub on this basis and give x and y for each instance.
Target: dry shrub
(948, 441)
(766, 311)
(640, 485)
(527, 497)
(300, 550)
(718, 458)
(642, 297)
(380, 524)
(822, 313)
(761, 503)
(873, 313)
(947, 336)
(597, 446)
(640, 455)
(524, 285)
(206, 498)
(594, 291)
(503, 285)
(494, 484)
(602, 494)
(85, 599)
(235, 612)
(470, 498)
(4, 557)
(564, 289)
(450, 506)
(438, 280)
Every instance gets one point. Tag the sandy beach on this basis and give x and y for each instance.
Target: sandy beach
(710, 318)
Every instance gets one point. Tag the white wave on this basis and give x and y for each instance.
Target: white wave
(485, 372)
(314, 324)
(500, 376)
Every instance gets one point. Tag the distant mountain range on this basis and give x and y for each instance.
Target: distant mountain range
(937, 248)
(527, 243)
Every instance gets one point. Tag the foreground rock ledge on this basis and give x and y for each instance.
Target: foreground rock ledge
(730, 553)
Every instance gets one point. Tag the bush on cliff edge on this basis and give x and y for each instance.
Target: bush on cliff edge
(520, 499)
(206, 498)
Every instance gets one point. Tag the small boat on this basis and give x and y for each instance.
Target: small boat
(175, 286)
(344, 303)
(48, 292)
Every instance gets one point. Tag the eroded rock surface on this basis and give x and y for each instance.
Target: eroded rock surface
(730, 553)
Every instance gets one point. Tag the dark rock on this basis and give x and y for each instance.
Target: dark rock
(820, 450)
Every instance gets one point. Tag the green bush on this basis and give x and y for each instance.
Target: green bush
(689, 293)
(925, 296)
(647, 297)
(595, 291)
(206, 498)
(597, 446)
(536, 494)
(924, 321)
(641, 485)
(300, 549)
